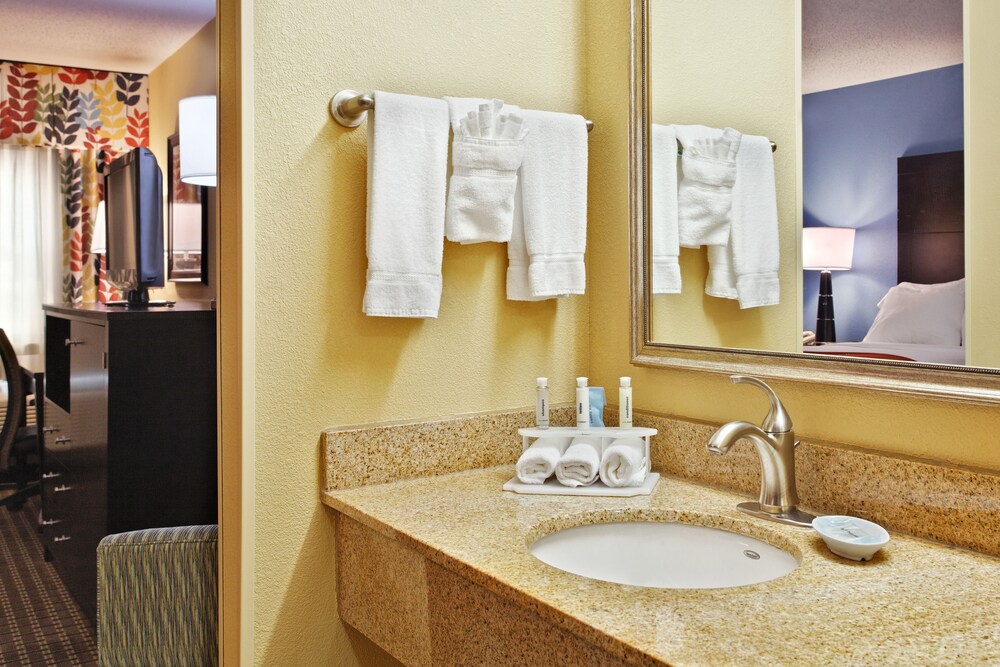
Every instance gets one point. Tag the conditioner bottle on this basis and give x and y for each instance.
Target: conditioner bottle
(625, 402)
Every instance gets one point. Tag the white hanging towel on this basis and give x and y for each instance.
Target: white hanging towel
(518, 288)
(747, 267)
(705, 192)
(486, 152)
(553, 179)
(663, 228)
(407, 168)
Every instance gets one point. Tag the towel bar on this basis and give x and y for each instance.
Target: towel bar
(680, 149)
(349, 108)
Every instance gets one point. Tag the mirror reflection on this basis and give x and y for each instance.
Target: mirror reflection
(869, 261)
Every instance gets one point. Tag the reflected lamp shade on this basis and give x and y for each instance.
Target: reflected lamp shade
(99, 241)
(827, 248)
(196, 125)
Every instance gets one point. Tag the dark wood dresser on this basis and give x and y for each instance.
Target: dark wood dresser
(130, 429)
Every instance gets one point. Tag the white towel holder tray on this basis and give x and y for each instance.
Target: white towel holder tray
(607, 435)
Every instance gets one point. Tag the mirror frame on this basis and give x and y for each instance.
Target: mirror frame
(953, 383)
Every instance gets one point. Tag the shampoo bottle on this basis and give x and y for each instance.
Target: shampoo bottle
(625, 403)
(542, 403)
(582, 403)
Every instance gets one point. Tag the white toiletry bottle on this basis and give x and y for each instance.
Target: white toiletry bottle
(582, 403)
(625, 402)
(542, 403)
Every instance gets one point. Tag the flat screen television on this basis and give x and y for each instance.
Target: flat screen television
(133, 199)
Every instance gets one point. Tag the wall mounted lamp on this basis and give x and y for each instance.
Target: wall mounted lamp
(196, 125)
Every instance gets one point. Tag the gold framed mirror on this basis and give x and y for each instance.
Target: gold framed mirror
(778, 26)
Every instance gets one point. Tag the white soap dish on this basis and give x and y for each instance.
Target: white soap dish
(851, 537)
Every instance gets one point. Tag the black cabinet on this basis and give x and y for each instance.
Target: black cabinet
(130, 429)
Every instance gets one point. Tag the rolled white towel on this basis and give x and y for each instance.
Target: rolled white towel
(624, 463)
(539, 461)
(580, 462)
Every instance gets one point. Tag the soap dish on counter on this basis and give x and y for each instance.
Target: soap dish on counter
(851, 537)
(552, 486)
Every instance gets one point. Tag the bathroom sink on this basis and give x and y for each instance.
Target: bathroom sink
(663, 555)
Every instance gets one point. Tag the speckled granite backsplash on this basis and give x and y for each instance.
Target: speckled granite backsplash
(952, 505)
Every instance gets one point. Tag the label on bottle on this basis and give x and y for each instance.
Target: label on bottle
(583, 407)
(625, 407)
(542, 409)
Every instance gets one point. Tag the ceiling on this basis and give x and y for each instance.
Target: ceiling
(116, 35)
(847, 42)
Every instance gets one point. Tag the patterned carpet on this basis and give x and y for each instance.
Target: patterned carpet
(40, 623)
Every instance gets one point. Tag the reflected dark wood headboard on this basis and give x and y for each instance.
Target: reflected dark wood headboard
(931, 224)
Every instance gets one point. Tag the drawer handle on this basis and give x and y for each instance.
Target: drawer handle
(50, 429)
(62, 538)
(73, 341)
(63, 440)
(51, 475)
(51, 522)
(60, 489)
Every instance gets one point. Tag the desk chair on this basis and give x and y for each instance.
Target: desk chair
(19, 443)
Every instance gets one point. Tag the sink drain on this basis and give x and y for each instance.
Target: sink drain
(752, 555)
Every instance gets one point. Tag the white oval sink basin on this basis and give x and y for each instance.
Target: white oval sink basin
(663, 555)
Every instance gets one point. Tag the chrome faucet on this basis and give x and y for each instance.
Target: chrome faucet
(775, 443)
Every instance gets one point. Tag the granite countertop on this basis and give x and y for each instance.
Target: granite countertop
(916, 602)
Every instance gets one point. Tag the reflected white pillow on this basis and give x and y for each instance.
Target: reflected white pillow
(927, 314)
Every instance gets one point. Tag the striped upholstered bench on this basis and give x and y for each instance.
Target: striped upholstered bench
(157, 597)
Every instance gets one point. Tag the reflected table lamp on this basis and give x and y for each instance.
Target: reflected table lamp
(826, 249)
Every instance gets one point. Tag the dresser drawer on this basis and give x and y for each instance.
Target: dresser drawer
(55, 432)
(57, 497)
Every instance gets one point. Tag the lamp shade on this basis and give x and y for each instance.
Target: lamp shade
(99, 241)
(827, 248)
(196, 122)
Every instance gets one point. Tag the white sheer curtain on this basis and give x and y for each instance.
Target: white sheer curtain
(30, 243)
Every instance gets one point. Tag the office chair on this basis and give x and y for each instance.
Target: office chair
(19, 443)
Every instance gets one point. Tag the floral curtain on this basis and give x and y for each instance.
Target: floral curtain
(92, 116)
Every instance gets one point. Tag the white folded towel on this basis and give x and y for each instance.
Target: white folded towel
(580, 463)
(663, 229)
(705, 193)
(539, 461)
(624, 463)
(407, 170)
(553, 180)
(486, 154)
(459, 108)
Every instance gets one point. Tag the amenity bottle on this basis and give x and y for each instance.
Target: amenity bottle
(582, 403)
(625, 402)
(542, 403)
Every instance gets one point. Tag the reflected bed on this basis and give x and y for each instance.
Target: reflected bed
(921, 353)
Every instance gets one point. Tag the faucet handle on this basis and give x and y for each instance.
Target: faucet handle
(777, 419)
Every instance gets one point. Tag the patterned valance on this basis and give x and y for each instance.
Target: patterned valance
(65, 107)
(91, 116)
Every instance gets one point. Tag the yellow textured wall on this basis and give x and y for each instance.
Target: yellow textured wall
(982, 236)
(191, 70)
(703, 56)
(941, 431)
(319, 361)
